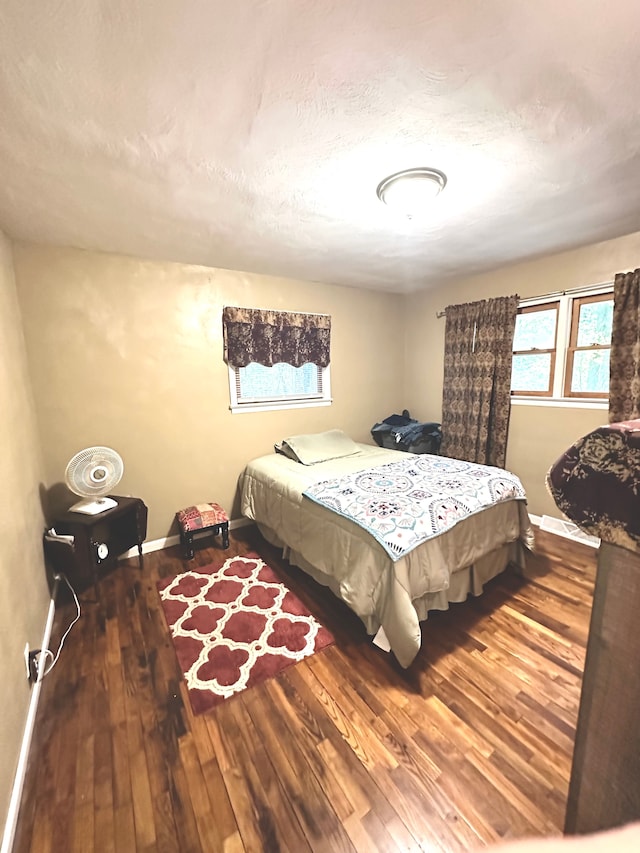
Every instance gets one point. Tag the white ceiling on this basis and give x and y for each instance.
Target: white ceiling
(252, 134)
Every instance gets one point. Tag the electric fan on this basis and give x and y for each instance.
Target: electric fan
(92, 473)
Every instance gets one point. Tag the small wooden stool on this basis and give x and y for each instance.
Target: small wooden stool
(195, 519)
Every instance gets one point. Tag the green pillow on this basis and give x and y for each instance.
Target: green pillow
(318, 447)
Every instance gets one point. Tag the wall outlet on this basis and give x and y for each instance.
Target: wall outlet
(31, 662)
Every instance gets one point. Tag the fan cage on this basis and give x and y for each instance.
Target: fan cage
(94, 472)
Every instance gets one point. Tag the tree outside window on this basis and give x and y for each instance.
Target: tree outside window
(589, 347)
(534, 349)
(561, 347)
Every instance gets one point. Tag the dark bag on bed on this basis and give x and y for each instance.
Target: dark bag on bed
(402, 432)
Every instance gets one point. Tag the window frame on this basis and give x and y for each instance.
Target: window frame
(293, 401)
(561, 376)
(572, 346)
(530, 309)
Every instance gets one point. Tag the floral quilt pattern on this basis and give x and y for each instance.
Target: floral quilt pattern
(404, 503)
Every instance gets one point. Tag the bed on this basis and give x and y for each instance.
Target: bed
(390, 592)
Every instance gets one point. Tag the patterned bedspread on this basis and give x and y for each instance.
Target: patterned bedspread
(404, 503)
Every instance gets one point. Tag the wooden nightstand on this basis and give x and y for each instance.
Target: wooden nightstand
(119, 529)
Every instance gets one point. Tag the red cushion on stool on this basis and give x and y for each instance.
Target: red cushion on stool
(199, 516)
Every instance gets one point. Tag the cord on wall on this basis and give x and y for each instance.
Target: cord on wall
(43, 668)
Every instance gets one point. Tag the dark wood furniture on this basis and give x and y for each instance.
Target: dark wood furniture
(119, 529)
(209, 518)
(605, 775)
(187, 536)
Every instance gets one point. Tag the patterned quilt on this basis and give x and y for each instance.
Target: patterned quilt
(404, 503)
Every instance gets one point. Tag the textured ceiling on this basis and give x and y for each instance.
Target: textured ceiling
(251, 135)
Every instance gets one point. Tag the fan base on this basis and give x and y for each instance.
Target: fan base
(93, 506)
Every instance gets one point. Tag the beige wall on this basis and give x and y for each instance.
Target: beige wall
(537, 436)
(25, 596)
(128, 353)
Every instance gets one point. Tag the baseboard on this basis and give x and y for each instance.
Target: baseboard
(18, 781)
(168, 541)
(558, 526)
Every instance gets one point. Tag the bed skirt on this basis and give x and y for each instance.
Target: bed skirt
(468, 580)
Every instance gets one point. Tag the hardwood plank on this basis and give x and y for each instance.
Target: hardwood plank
(272, 816)
(183, 814)
(42, 837)
(163, 818)
(103, 791)
(202, 807)
(239, 793)
(356, 709)
(62, 826)
(320, 824)
(402, 837)
(141, 799)
(423, 808)
(359, 836)
(233, 844)
(224, 816)
(361, 786)
(351, 730)
(219, 750)
(65, 772)
(84, 826)
(121, 779)
(124, 828)
(308, 736)
(359, 803)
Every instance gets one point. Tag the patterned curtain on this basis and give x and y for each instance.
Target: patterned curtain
(476, 399)
(268, 337)
(624, 372)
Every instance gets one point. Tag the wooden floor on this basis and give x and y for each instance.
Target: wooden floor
(344, 751)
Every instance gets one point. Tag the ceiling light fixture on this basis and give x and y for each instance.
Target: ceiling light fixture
(411, 190)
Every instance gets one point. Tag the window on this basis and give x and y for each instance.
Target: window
(561, 347)
(587, 373)
(534, 349)
(276, 359)
(280, 386)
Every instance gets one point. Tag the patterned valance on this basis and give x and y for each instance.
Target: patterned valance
(269, 337)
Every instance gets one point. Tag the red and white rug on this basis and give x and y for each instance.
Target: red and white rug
(235, 626)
